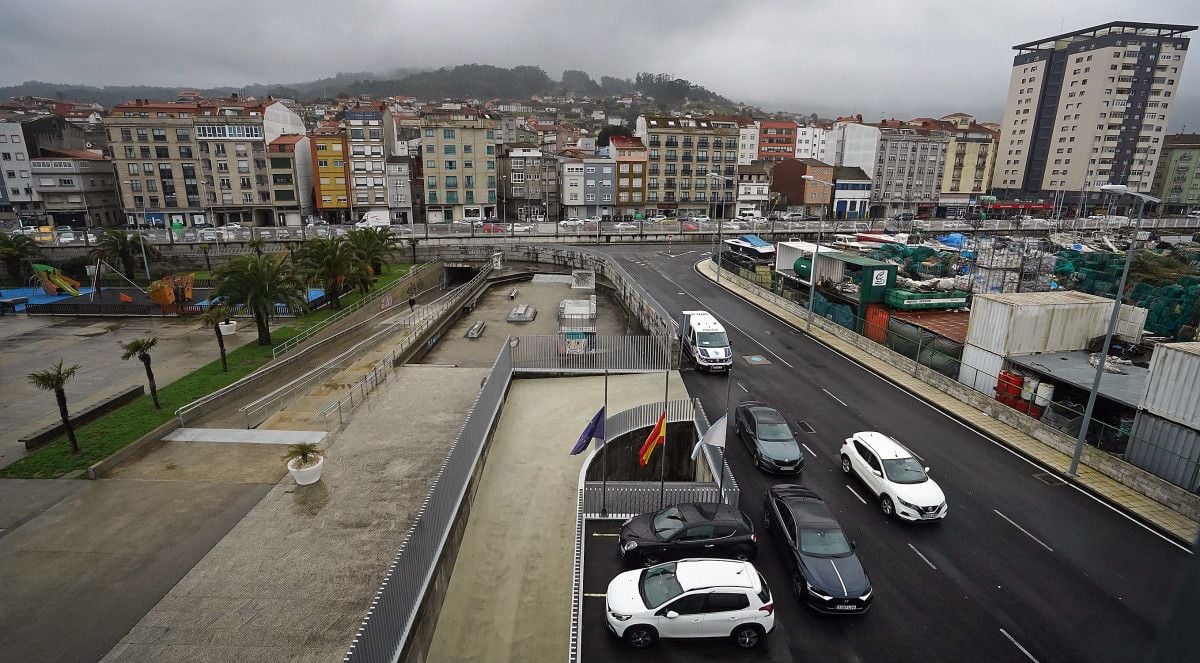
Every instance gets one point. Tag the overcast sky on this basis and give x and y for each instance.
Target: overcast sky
(881, 58)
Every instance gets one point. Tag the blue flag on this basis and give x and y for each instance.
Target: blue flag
(594, 430)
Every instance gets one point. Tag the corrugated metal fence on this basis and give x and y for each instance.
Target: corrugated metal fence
(562, 353)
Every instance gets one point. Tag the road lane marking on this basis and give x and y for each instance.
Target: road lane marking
(860, 499)
(914, 549)
(600, 596)
(1018, 646)
(604, 534)
(835, 398)
(810, 451)
(1010, 522)
(743, 387)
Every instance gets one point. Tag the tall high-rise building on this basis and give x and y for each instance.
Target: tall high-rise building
(1088, 108)
(691, 163)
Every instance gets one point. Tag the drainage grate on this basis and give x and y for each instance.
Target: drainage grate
(756, 360)
(805, 426)
(1049, 479)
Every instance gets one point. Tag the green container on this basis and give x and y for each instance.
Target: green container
(907, 300)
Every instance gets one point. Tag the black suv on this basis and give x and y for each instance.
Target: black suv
(695, 529)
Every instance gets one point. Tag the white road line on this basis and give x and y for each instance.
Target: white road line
(973, 431)
(603, 534)
(914, 549)
(1018, 646)
(743, 387)
(600, 596)
(810, 451)
(1010, 522)
(835, 398)
(860, 499)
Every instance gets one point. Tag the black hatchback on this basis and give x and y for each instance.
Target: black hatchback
(693, 529)
(768, 437)
(822, 561)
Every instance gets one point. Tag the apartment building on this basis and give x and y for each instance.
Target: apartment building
(853, 143)
(459, 153)
(851, 193)
(600, 187)
(331, 172)
(196, 160)
(371, 137)
(811, 142)
(747, 142)
(570, 178)
(691, 163)
(776, 140)
(1177, 178)
(24, 137)
(400, 182)
(908, 169)
(630, 156)
(798, 194)
(77, 188)
(753, 189)
(1087, 108)
(529, 183)
(289, 160)
(970, 159)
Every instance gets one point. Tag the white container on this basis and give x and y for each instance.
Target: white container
(1029, 388)
(307, 475)
(1044, 394)
(980, 369)
(1165, 449)
(1173, 388)
(1030, 322)
(227, 328)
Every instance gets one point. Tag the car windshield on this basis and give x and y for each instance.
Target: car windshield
(712, 339)
(658, 585)
(904, 470)
(824, 543)
(773, 429)
(668, 521)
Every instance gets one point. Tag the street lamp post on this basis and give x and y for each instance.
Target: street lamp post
(720, 223)
(1116, 189)
(812, 270)
(141, 233)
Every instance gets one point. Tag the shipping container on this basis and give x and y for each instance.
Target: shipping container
(1166, 450)
(1173, 389)
(1030, 322)
(873, 277)
(906, 300)
(1131, 322)
(876, 326)
(786, 253)
(980, 369)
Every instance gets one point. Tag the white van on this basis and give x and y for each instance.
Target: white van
(374, 219)
(704, 341)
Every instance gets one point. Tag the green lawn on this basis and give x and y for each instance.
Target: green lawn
(110, 433)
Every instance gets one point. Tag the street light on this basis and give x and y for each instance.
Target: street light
(1116, 189)
(141, 234)
(812, 270)
(720, 224)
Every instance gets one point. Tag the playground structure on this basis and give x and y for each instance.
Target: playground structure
(55, 282)
(170, 291)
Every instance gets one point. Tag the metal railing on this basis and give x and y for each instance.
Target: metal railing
(585, 353)
(384, 631)
(626, 499)
(337, 317)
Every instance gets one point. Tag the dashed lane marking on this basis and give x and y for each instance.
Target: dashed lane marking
(853, 492)
(926, 559)
(1010, 522)
(1018, 646)
(604, 534)
(835, 398)
(810, 451)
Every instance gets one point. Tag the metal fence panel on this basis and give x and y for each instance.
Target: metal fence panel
(630, 498)
(585, 353)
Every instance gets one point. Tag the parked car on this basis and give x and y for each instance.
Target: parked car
(573, 222)
(65, 234)
(658, 218)
(209, 235)
(622, 226)
(825, 570)
(522, 228)
(493, 228)
(691, 598)
(690, 226)
(317, 222)
(768, 438)
(687, 530)
(895, 477)
(734, 225)
(594, 219)
(703, 218)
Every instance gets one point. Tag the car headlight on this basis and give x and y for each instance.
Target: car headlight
(812, 590)
(619, 617)
(628, 545)
(866, 596)
(910, 505)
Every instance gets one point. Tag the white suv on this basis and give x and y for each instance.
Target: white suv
(691, 598)
(895, 476)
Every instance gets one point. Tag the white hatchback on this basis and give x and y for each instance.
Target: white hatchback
(895, 476)
(691, 598)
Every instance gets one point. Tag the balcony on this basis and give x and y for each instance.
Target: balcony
(672, 142)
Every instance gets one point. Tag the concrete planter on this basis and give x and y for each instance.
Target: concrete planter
(227, 328)
(306, 475)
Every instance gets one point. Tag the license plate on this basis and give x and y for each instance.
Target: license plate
(847, 607)
(928, 516)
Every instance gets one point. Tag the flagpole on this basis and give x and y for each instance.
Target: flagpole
(662, 468)
(604, 454)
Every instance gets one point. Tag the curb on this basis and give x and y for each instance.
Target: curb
(1074, 481)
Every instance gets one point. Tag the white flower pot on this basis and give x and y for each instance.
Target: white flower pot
(306, 475)
(227, 328)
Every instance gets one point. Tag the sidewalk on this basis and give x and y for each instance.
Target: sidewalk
(1121, 496)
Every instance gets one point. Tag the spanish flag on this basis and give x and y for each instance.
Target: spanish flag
(657, 436)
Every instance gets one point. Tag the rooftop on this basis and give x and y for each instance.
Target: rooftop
(850, 173)
(1075, 369)
(1133, 29)
(950, 324)
(86, 155)
(1051, 298)
(288, 139)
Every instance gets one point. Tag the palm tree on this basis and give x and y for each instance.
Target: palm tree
(212, 317)
(55, 379)
(412, 245)
(328, 263)
(259, 283)
(141, 347)
(117, 247)
(256, 244)
(371, 246)
(16, 251)
(205, 247)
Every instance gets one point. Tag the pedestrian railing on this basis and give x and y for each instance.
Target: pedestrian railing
(588, 353)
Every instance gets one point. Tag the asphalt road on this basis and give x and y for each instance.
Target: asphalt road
(1021, 570)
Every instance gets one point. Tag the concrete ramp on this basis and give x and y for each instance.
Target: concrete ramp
(245, 436)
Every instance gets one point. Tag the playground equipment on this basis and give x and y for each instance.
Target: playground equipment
(54, 281)
(170, 289)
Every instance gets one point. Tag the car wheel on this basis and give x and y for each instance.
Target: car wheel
(743, 554)
(640, 637)
(886, 505)
(650, 560)
(747, 636)
(845, 464)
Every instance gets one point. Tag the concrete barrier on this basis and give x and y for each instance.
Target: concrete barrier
(88, 414)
